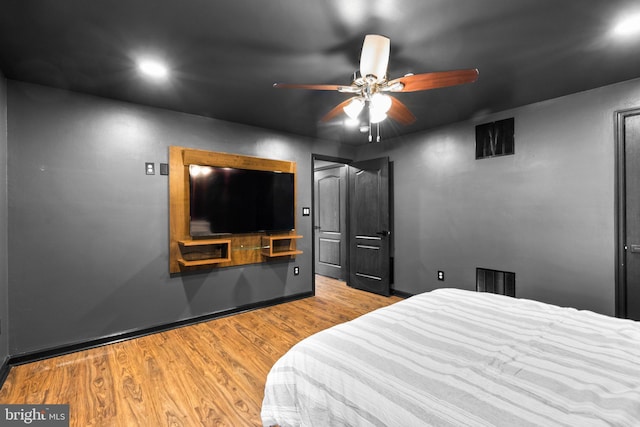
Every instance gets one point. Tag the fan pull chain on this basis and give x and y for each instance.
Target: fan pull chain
(378, 139)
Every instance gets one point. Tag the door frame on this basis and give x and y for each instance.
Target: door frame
(620, 207)
(333, 159)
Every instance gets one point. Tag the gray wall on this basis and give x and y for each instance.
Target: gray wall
(4, 280)
(88, 230)
(546, 213)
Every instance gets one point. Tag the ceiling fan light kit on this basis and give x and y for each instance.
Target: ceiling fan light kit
(380, 101)
(376, 116)
(370, 86)
(354, 107)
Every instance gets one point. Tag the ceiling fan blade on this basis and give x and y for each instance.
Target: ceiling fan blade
(338, 109)
(400, 113)
(339, 88)
(426, 81)
(374, 58)
(311, 87)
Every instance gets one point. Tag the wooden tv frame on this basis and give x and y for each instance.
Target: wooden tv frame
(187, 253)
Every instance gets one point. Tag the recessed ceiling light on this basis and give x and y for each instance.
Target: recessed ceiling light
(153, 69)
(628, 26)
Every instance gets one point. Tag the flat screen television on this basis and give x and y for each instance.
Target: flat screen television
(235, 201)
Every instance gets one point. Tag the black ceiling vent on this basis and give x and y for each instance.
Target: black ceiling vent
(495, 139)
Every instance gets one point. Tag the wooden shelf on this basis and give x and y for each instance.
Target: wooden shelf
(280, 245)
(201, 252)
(243, 248)
(201, 262)
(203, 242)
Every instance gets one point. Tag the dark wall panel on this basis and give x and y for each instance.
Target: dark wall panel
(88, 230)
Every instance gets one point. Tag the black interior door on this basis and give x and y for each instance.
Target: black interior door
(330, 216)
(369, 227)
(629, 306)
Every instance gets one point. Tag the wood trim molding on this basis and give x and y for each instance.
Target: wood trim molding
(244, 248)
(211, 158)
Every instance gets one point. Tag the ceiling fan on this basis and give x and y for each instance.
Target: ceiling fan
(371, 86)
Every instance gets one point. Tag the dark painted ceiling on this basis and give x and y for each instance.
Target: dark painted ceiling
(224, 56)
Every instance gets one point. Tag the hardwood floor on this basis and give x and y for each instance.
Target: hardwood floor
(209, 374)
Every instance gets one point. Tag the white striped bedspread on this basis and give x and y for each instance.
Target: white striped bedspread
(459, 358)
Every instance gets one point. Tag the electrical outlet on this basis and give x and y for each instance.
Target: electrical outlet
(296, 270)
(441, 275)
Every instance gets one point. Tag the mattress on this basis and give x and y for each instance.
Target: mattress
(459, 358)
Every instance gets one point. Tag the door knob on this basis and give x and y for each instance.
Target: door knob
(384, 233)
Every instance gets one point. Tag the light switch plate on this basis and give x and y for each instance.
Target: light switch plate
(150, 168)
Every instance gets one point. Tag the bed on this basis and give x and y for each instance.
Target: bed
(456, 358)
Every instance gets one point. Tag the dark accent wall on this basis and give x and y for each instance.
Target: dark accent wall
(545, 213)
(88, 230)
(4, 278)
